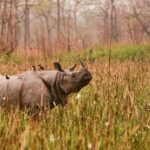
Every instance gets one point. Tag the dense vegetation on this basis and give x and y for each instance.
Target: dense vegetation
(112, 112)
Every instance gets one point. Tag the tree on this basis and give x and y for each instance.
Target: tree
(26, 24)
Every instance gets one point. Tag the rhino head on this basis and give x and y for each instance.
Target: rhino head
(73, 81)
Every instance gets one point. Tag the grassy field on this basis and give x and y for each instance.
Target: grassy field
(112, 112)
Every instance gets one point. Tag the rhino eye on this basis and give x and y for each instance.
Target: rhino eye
(86, 75)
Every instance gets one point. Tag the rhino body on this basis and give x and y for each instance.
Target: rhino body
(9, 90)
(29, 89)
(42, 88)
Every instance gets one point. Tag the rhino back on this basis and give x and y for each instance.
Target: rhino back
(9, 90)
(34, 92)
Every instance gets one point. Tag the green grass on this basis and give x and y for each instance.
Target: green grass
(112, 112)
(12, 58)
(118, 52)
(131, 52)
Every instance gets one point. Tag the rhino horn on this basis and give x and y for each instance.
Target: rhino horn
(81, 64)
(72, 67)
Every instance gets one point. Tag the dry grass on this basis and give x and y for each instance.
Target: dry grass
(101, 116)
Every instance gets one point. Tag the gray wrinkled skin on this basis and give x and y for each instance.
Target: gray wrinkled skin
(42, 88)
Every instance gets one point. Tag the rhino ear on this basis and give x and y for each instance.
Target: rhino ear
(72, 67)
(58, 66)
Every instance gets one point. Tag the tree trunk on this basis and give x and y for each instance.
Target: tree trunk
(26, 25)
(58, 20)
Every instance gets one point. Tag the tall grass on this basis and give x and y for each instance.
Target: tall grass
(84, 123)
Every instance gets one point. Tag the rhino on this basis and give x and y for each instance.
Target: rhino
(43, 88)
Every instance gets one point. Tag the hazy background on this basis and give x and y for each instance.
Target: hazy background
(53, 25)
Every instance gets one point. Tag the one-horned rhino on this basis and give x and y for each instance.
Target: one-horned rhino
(43, 88)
